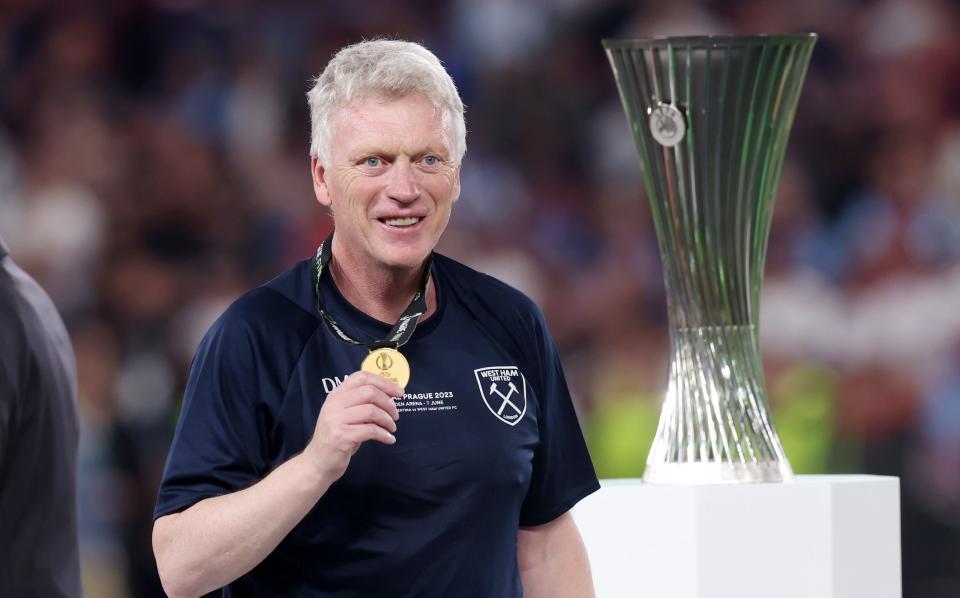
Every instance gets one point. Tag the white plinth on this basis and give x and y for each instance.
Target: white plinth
(814, 537)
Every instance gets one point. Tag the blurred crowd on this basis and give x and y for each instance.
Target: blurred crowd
(153, 166)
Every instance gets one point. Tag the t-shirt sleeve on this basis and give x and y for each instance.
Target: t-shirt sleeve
(220, 444)
(563, 473)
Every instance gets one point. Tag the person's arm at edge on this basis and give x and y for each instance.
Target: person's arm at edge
(553, 560)
(219, 539)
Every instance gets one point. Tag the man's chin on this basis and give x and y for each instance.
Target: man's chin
(407, 254)
(403, 260)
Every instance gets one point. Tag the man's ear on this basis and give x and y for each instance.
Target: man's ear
(320, 188)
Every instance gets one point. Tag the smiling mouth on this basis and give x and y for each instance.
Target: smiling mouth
(400, 222)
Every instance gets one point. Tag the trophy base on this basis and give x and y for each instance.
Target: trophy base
(716, 473)
(835, 536)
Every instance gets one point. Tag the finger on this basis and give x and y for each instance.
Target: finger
(363, 432)
(369, 413)
(371, 394)
(359, 378)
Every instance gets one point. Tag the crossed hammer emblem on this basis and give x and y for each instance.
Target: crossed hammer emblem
(505, 397)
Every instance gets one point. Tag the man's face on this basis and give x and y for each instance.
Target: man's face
(391, 180)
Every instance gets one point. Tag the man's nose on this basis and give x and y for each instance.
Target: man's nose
(403, 184)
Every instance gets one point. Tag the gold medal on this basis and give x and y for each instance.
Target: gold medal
(388, 363)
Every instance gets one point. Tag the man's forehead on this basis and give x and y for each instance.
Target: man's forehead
(375, 104)
(365, 121)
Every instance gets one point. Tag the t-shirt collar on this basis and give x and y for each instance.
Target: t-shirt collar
(363, 326)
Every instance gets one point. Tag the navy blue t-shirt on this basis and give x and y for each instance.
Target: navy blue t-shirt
(487, 440)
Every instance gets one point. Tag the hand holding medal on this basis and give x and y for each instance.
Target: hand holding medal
(362, 407)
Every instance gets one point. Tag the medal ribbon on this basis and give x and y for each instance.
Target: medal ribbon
(401, 331)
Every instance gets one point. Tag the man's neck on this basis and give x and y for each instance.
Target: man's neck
(383, 294)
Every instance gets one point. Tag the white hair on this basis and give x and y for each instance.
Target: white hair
(389, 68)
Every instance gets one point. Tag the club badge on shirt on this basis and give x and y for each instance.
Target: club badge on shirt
(504, 391)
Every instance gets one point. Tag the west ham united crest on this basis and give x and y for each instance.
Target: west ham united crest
(504, 390)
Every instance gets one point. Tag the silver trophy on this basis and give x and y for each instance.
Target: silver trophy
(711, 117)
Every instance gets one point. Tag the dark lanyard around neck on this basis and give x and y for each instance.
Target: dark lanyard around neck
(401, 331)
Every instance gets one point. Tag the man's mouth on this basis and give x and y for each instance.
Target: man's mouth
(400, 222)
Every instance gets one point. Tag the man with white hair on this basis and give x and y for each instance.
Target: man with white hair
(379, 420)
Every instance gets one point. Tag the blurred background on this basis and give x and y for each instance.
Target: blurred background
(153, 166)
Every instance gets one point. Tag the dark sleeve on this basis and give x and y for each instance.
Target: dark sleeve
(12, 348)
(563, 473)
(220, 444)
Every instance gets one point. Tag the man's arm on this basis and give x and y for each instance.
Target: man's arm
(218, 539)
(553, 560)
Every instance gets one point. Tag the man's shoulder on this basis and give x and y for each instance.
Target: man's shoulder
(503, 311)
(476, 286)
(33, 329)
(281, 305)
(25, 308)
(14, 339)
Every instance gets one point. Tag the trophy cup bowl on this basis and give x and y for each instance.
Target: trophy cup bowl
(711, 117)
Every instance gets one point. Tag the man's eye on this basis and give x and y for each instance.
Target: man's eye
(431, 160)
(372, 162)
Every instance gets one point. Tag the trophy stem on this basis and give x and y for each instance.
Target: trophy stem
(714, 426)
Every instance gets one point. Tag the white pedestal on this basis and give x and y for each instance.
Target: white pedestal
(815, 537)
